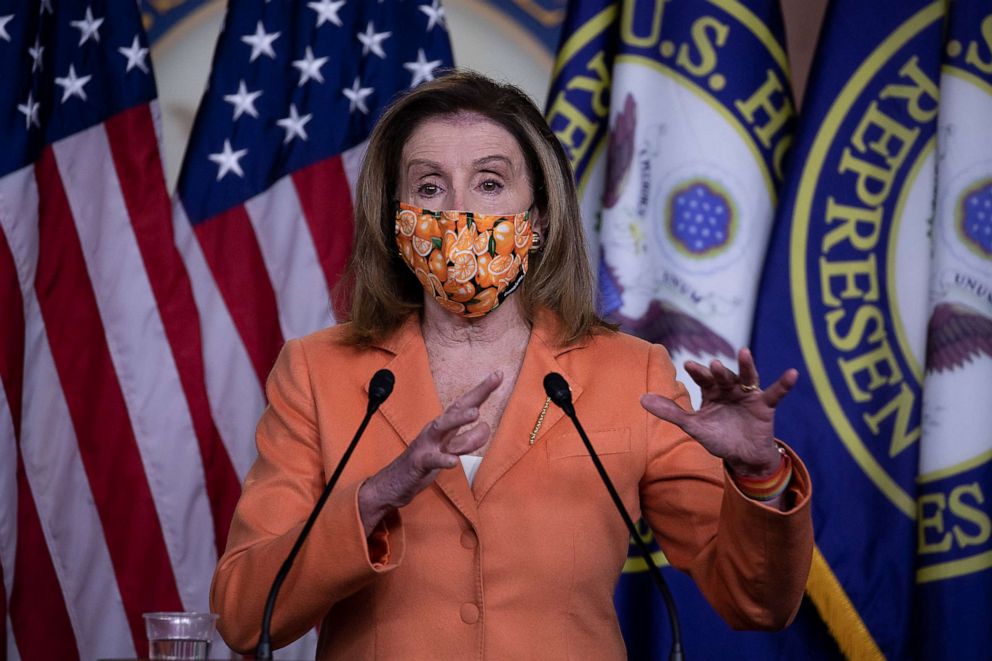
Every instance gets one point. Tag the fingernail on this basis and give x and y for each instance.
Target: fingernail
(472, 412)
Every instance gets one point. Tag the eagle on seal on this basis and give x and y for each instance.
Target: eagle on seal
(956, 335)
(665, 324)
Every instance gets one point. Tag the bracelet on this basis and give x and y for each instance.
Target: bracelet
(766, 488)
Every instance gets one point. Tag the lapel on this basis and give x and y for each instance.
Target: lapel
(512, 439)
(414, 403)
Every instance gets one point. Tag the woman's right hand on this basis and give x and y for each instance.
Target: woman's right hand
(437, 446)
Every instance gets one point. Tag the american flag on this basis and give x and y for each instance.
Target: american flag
(263, 206)
(134, 333)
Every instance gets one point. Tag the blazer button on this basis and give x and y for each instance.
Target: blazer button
(470, 613)
(469, 540)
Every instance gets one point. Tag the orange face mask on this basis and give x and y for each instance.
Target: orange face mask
(469, 262)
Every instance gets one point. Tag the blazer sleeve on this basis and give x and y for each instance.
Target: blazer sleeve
(749, 560)
(279, 492)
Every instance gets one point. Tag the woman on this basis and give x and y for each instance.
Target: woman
(470, 311)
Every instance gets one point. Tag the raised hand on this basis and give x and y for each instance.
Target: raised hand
(735, 420)
(438, 446)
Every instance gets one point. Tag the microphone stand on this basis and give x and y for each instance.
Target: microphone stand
(557, 389)
(380, 387)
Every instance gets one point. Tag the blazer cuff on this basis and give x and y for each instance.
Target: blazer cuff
(356, 559)
(386, 542)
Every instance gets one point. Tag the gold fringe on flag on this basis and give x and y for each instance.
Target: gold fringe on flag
(837, 611)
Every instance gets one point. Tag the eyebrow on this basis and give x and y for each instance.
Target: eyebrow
(479, 162)
(496, 158)
(423, 161)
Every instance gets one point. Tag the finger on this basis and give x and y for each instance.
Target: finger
(748, 370)
(480, 393)
(437, 460)
(468, 441)
(666, 409)
(700, 374)
(465, 409)
(724, 378)
(426, 460)
(450, 420)
(774, 394)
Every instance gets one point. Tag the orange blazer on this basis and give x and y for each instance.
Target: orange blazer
(524, 563)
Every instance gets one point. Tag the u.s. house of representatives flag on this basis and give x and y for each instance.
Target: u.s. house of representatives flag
(677, 118)
(954, 543)
(115, 489)
(844, 299)
(263, 206)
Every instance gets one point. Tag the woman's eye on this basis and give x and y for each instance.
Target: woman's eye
(491, 186)
(428, 189)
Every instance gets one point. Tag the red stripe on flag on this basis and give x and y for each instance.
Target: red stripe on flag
(99, 414)
(231, 249)
(326, 202)
(38, 615)
(136, 160)
(12, 337)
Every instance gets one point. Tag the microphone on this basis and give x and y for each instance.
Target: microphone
(380, 388)
(559, 393)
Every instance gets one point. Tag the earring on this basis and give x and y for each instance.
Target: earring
(537, 242)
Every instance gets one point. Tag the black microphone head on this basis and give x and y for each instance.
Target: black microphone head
(557, 389)
(381, 386)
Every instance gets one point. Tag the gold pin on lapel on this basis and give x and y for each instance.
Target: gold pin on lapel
(540, 420)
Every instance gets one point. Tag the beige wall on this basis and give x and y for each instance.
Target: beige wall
(802, 26)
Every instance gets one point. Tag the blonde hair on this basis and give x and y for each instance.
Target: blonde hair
(384, 291)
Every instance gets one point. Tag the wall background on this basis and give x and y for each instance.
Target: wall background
(512, 40)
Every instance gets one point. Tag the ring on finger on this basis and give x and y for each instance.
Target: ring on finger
(749, 387)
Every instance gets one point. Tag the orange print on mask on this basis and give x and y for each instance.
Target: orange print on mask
(468, 262)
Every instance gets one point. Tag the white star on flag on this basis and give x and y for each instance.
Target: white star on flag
(35, 53)
(135, 55)
(3, 26)
(372, 41)
(46, 5)
(327, 11)
(72, 85)
(243, 101)
(228, 160)
(435, 14)
(88, 27)
(357, 95)
(422, 70)
(30, 110)
(261, 42)
(309, 67)
(294, 125)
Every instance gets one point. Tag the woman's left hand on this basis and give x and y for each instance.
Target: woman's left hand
(735, 420)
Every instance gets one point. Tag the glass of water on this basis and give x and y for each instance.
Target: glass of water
(179, 635)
